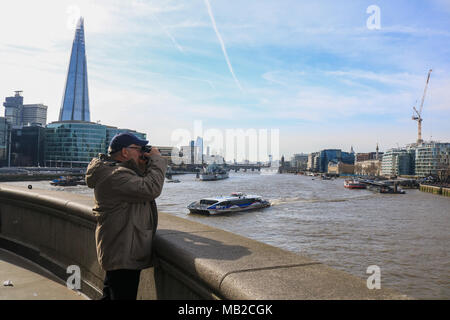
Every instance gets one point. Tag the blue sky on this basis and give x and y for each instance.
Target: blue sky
(312, 70)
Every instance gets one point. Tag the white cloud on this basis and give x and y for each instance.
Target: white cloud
(403, 79)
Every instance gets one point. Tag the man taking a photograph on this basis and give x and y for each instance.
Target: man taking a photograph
(126, 184)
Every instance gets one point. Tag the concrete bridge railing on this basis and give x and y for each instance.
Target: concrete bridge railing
(194, 261)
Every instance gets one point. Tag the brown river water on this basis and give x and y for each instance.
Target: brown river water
(407, 236)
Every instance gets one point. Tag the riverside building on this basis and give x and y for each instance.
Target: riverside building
(368, 164)
(398, 161)
(421, 160)
(336, 167)
(313, 162)
(27, 146)
(318, 161)
(431, 157)
(5, 131)
(299, 161)
(75, 143)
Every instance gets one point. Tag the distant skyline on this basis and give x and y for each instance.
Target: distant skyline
(313, 70)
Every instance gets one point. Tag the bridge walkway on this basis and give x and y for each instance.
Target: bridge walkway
(30, 281)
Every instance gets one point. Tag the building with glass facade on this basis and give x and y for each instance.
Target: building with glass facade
(422, 160)
(5, 130)
(27, 146)
(430, 157)
(318, 161)
(398, 162)
(13, 109)
(75, 103)
(19, 114)
(34, 114)
(199, 154)
(313, 162)
(299, 161)
(328, 155)
(112, 131)
(75, 143)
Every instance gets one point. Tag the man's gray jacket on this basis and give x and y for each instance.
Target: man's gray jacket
(126, 211)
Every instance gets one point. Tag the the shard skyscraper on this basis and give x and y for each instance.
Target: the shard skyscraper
(75, 104)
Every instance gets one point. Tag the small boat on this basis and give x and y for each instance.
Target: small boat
(387, 189)
(236, 202)
(354, 184)
(67, 181)
(173, 180)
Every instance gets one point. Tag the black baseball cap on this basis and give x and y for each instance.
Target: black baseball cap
(123, 140)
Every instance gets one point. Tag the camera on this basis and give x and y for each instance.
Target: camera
(146, 149)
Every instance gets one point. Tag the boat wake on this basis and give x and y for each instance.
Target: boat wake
(275, 202)
(167, 204)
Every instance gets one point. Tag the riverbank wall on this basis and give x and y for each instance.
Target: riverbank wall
(435, 190)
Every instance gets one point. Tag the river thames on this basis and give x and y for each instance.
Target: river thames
(407, 236)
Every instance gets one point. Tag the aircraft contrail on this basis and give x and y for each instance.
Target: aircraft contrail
(222, 44)
(180, 48)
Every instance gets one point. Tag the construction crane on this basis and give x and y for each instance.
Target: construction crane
(418, 118)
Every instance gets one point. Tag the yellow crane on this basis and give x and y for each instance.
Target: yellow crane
(418, 118)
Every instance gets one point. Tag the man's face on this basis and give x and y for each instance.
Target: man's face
(132, 152)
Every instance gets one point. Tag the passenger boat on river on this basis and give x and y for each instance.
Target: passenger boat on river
(237, 201)
(354, 184)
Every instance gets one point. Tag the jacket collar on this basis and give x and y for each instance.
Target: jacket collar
(132, 165)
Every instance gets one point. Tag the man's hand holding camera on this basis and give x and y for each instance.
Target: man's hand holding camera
(146, 153)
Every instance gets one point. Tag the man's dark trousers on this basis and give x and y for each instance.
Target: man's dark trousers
(121, 284)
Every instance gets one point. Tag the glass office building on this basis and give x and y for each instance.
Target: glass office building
(112, 131)
(13, 109)
(328, 155)
(398, 162)
(431, 157)
(27, 146)
(75, 104)
(34, 114)
(75, 143)
(5, 130)
(19, 114)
